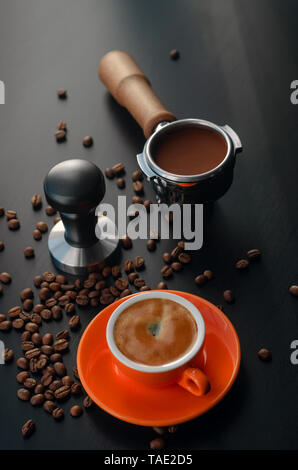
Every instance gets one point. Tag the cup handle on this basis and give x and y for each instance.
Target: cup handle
(194, 381)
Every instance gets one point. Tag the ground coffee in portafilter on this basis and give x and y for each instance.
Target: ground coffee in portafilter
(190, 150)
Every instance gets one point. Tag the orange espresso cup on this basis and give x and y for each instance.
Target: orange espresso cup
(179, 371)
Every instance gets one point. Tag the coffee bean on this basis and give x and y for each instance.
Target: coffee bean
(265, 355)
(29, 252)
(14, 312)
(49, 395)
(145, 288)
(5, 325)
(28, 428)
(30, 383)
(121, 284)
(49, 406)
(109, 173)
(47, 349)
(139, 263)
(51, 302)
(174, 54)
(62, 126)
(37, 400)
(62, 93)
(32, 327)
(166, 272)
(176, 266)
(118, 169)
(76, 411)
(2, 246)
(1, 211)
(126, 242)
(27, 345)
(87, 402)
(64, 334)
(28, 305)
(56, 220)
(46, 314)
(74, 322)
(87, 141)
(60, 369)
(58, 413)
(120, 183)
(137, 176)
(176, 252)
(106, 299)
(61, 279)
(32, 353)
(100, 285)
(22, 376)
(151, 245)
(42, 362)
(44, 293)
(294, 290)
(139, 282)
(184, 258)
(36, 318)
(57, 312)
(157, 444)
(38, 389)
(200, 280)
(1, 290)
(10, 214)
(8, 355)
(2, 317)
(26, 316)
(116, 271)
(242, 264)
(167, 257)
(50, 210)
(208, 274)
(60, 136)
(229, 296)
(36, 339)
(254, 254)
(114, 291)
(5, 278)
(23, 394)
(76, 389)
(33, 365)
(82, 300)
(125, 293)
(13, 224)
(128, 266)
(18, 324)
(43, 228)
(132, 277)
(47, 339)
(137, 200)
(22, 363)
(138, 187)
(37, 234)
(61, 345)
(162, 285)
(36, 201)
(62, 392)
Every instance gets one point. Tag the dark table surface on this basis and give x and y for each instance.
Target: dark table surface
(238, 59)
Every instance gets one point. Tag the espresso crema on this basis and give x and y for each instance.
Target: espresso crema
(155, 331)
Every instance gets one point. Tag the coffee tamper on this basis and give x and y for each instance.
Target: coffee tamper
(75, 188)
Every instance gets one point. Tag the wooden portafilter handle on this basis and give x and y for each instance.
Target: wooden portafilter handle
(131, 88)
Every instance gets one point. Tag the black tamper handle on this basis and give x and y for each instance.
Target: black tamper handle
(75, 188)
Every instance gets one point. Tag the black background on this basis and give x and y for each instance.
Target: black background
(238, 59)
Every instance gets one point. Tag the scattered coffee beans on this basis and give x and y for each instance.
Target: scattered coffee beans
(157, 443)
(76, 411)
(294, 290)
(37, 234)
(242, 264)
(62, 94)
(87, 141)
(13, 224)
(254, 254)
(60, 136)
(28, 428)
(36, 201)
(265, 355)
(229, 296)
(174, 54)
(29, 252)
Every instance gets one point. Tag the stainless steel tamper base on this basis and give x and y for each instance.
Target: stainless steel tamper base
(79, 261)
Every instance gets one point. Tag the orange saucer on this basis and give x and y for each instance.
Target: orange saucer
(139, 404)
